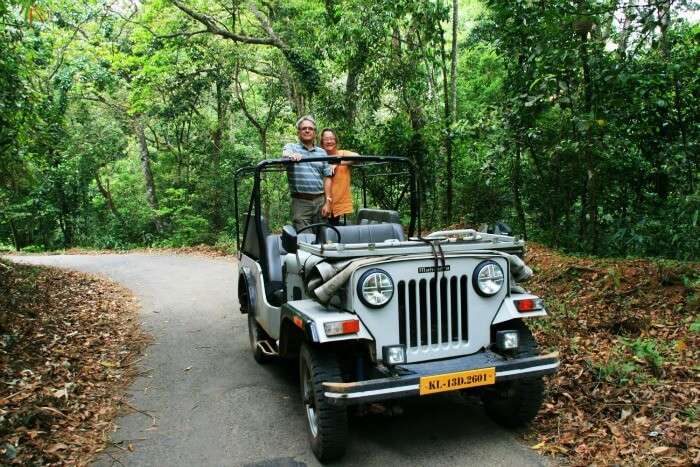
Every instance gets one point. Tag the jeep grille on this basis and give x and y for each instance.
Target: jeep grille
(433, 312)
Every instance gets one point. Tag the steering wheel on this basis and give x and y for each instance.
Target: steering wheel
(320, 224)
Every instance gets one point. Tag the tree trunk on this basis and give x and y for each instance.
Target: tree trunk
(294, 95)
(13, 231)
(589, 201)
(450, 102)
(516, 185)
(447, 140)
(626, 28)
(355, 68)
(452, 117)
(417, 151)
(217, 138)
(690, 162)
(663, 9)
(147, 174)
(107, 195)
(262, 134)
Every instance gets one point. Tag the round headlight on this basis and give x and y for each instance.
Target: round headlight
(375, 288)
(488, 278)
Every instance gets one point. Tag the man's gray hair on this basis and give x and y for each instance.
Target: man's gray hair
(305, 118)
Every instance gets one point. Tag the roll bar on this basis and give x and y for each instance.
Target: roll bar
(269, 165)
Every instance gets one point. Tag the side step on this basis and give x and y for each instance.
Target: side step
(266, 348)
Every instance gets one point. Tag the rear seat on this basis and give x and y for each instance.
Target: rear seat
(377, 216)
(366, 233)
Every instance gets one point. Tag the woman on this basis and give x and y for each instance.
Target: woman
(341, 197)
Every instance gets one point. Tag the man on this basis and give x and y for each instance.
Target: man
(309, 182)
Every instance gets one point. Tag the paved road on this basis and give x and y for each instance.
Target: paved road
(226, 410)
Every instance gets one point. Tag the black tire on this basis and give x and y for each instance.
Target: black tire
(327, 424)
(256, 334)
(514, 404)
(243, 298)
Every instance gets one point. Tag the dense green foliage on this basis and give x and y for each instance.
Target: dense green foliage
(121, 123)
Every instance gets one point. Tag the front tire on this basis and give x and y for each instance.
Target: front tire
(327, 424)
(515, 403)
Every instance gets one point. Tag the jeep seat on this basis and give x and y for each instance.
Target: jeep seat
(377, 216)
(366, 233)
(274, 260)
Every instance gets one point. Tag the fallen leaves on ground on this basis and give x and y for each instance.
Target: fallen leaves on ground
(68, 342)
(628, 390)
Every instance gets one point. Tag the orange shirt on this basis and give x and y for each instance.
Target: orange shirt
(340, 188)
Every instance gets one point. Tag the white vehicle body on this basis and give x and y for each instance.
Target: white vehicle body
(435, 329)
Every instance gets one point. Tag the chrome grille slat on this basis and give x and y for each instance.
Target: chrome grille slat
(413, 312)
(403, 313)
(432, 313)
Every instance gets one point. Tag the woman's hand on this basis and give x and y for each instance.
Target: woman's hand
(326, 209)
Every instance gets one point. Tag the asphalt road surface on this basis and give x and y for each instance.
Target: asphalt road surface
(213, 405)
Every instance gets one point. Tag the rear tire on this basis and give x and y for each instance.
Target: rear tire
(255, 335)
(513, 404)
(327, 424)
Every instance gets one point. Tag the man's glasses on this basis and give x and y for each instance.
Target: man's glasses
(307, 128)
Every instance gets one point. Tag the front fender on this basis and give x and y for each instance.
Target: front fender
(508, 310)
(245, 286)
(310, 316)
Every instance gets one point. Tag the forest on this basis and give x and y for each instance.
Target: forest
(122, 122)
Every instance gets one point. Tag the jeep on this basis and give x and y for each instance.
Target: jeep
(373, 312)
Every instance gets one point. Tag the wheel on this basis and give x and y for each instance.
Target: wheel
(327, 424)
(243, 298)
(256, 334)
(515, 403)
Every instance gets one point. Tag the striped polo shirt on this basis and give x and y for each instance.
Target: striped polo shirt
(306, 177)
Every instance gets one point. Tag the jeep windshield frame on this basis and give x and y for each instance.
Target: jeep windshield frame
(279, 165)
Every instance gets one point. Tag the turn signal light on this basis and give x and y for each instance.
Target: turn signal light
(529, 304)
(337, 328)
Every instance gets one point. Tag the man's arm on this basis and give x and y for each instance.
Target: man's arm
(288, 152)
(349, 153)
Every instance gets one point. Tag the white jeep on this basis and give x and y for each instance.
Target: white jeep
(374, 314)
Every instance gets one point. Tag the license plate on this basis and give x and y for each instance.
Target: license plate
(459, 380)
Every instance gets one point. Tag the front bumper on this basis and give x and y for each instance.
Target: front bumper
(408, 383)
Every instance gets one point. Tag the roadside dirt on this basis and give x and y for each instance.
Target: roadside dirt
(628, 391)
(67, 344)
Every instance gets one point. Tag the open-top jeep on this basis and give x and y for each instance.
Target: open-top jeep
(375, 314)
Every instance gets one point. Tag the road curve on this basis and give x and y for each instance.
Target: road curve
(213, 405)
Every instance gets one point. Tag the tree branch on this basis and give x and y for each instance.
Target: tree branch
(212, 27)
(265, 24)
(239, 96)
(259, 72)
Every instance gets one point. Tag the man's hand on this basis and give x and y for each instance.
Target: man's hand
(295, 156)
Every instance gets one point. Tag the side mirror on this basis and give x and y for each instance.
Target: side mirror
(289, 239)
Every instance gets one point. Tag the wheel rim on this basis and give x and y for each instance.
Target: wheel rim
(309, 403)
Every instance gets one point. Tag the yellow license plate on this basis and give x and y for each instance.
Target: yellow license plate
(459, 380)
